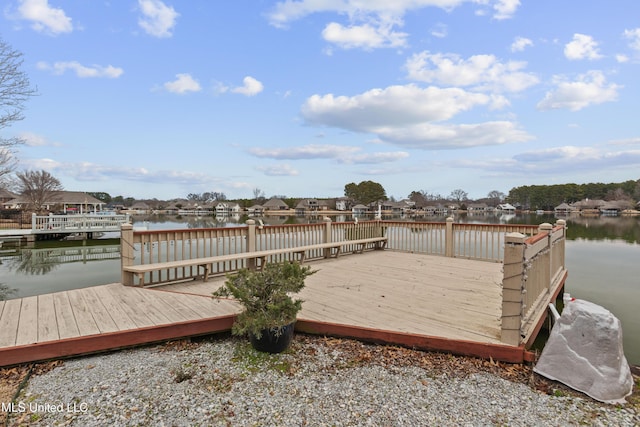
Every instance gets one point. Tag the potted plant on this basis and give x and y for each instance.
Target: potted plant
(269, 310)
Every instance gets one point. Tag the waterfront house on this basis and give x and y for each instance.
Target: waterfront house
(255, 210)
(226, 208)
(275, 204)
(506, 208)
(562, 209)
(359, 209)
(64, 201)
(6, 196)
(343, 204)
(306, 206)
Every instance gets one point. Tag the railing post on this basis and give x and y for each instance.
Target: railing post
(545, 227)
(33, 222)
(512, 288)
(562, 223)
(327, 238)
(126, 253)
(448, 238)
(251, 242)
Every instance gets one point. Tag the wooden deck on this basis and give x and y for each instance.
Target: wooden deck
(421, 301)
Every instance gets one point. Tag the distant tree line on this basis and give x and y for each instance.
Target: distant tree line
(549, 196)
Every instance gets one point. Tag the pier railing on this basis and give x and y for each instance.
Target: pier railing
(534, 272)
(84, 223)
(474, 241)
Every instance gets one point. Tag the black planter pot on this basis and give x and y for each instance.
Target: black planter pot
(273, 340)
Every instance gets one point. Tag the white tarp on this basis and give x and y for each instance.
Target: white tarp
(584, 351)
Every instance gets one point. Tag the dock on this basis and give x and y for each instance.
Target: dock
(416, 300)
(484, 290)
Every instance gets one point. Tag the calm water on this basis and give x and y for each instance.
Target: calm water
(602, 256)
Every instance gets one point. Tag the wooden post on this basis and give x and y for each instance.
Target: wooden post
(562, 223)
(33, 222)
(545, 227)
(448, 238)
(512, 288)
(327, 235)
(126, 253)
(251, 242)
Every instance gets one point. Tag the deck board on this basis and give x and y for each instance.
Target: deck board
(28, 325)
(100, 313)
(82, 313)
(118, 313)
(9, 322)
(65, 318)
(376, 294)
(47, 323)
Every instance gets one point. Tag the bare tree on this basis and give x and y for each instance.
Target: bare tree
(258, 195)
(459, 195)
(37, 187)
(15, 90)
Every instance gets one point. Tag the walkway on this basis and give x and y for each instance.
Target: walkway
(422, 301)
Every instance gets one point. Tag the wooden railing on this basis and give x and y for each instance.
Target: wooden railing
(534, 272)
(533, 256)
(477, 241)
(473, 241)
(42, 224)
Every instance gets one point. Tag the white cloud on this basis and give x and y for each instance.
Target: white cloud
(80, 70)
(250, 87)
(621, 58)
(45, 18)
(34, 140)
(481, 72)
(582, 47)
(392, 106)
(183, 84)
(371, 24)
(429, 136)
(157, 19)
(634, 37)
(588, 89)
(520, 44)
(375, 158)
(288, 11)
(278, 170)
(405, 115)
(627, 141)
(555, 162)
(340, 153)
(365, 36)
(312, 151)
(440, 30)
(505, 9)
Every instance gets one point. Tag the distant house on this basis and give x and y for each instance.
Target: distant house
(478, 208)
(506, 208)
(140, 208)
(5, 196)
(65, 201)
(275, 204)
(610, 208)
(343, 204)
(306, 206)
(255, 210)
(562, 209)
(226, 208)
(359, 209)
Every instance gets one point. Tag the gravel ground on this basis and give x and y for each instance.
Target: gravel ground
(318, 382)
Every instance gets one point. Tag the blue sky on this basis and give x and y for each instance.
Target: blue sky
(150, 98)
